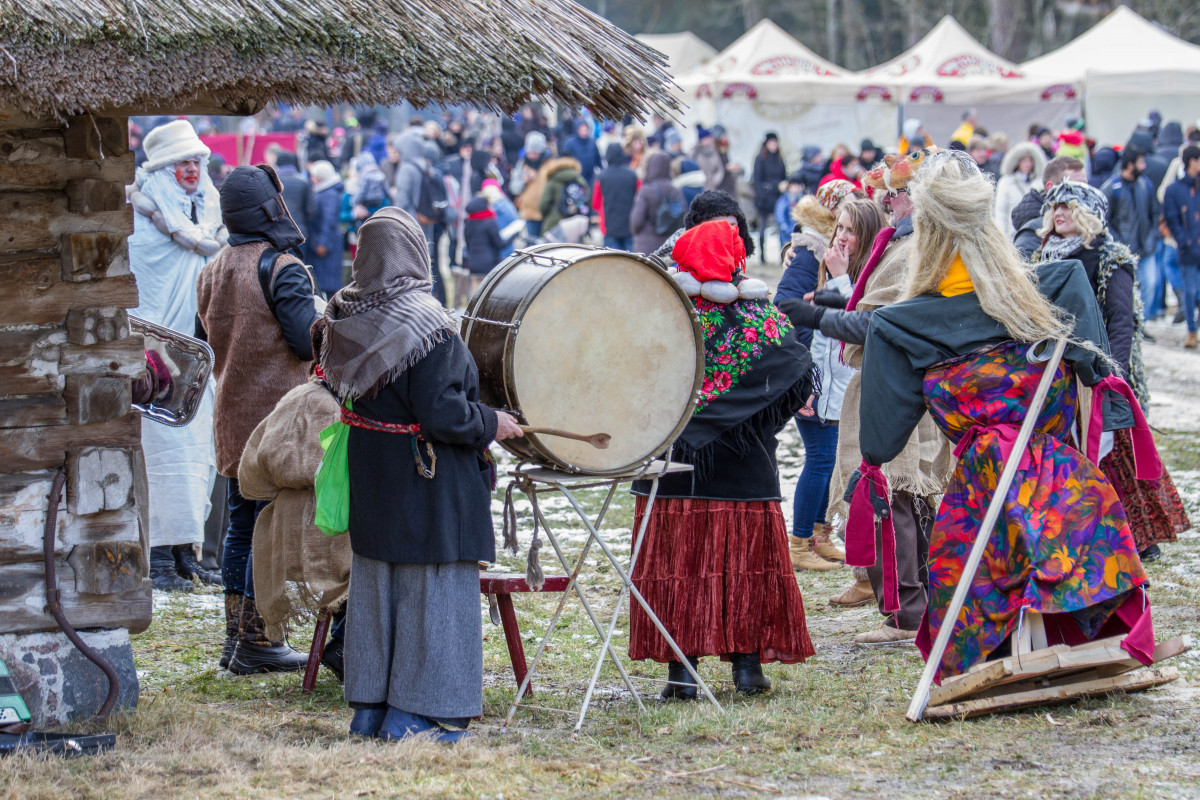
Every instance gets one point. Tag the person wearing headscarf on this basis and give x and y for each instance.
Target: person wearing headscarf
(418, 527)
(968, 344)
(714, 562)
(1075, 226)
(262, 348)
(177, 229)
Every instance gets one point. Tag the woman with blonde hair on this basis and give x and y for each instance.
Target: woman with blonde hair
(969, 345)
(858, 223)
(1076, 227)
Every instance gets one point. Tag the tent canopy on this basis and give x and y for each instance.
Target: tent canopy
(683, 50)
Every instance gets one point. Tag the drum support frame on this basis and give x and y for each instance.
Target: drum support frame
(556, 481)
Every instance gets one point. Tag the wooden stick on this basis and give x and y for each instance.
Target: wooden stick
(597, 440)
(916, 709)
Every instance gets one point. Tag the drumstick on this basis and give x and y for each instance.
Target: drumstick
(598, 440)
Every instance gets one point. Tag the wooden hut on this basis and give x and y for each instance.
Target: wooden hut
(71, 72)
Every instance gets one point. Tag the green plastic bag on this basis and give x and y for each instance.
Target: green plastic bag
(332, 485)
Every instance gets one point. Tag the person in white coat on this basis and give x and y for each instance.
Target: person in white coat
(1020, 171)
(176, 230)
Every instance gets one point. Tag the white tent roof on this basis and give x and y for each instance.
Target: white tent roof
(1125, 53)
(950, 66)
(683, 50)
(768, 65)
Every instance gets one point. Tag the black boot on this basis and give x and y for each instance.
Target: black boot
(233, 615)
(188, 567)
(256, 653)
(680, 683)
(163, 572)
(1151, 553)
(748, 676)
(334, 658)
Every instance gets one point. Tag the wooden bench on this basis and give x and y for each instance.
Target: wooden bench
(501, 585)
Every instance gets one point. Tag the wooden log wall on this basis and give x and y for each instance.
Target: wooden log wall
(66, 364)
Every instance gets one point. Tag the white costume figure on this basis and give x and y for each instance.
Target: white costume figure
(177, 228)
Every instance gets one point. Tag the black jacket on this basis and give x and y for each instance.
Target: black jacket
(482, 235)
(1030, 208)
(618, 187)
(1117, 313)
(1133, 213)
(909, 337)
(769, 172)
(300, 198)
(395, 514)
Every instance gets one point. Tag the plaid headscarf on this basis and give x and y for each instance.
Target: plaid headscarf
(385, 320)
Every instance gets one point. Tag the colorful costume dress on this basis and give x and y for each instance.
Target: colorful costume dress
(1062, 546)
(714, 564)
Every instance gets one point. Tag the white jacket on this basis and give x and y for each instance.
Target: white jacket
(827, 355)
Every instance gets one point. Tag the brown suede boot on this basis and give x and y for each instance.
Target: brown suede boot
(859, 594)
(233, 613)
(804, 557)
(255, 652)
(1192, 340)
(822, 543)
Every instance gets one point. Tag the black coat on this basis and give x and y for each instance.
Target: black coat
(769, 172)
(395, 514)
(1118, 303)
(481, 233)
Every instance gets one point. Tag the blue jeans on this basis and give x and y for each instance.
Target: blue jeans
(1149, 282)
(1191, 293)
(1168, 265)
(237, 568)
(812, 490)
(533, 227)
(619, 242)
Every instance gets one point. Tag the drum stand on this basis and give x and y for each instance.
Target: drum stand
(544, 480)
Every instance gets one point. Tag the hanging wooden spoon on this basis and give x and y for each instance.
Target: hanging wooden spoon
(598, 440)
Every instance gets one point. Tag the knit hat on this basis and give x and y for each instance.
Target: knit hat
(703, 132)
(324, 175)
(535, 143)
(771, 137)
(169, 144)
(715, 204)
(896, 171)
(671, 137)
(833, 192)
(1086, 195)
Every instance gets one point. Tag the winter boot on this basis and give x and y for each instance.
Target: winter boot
(748, 676)
(233, 614)
(822, 544)
(187, 566)
(680, 683)
(334, 658)
(859, 594)
(367, 721)
(1191, 341)
(256, 653)
(163, 572)
(804, 557)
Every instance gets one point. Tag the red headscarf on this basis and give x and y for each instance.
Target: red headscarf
(711, 251)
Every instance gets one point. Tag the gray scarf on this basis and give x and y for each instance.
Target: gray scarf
(1058, 247)
(385, 320)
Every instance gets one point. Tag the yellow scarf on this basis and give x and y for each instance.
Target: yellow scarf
(957, 280)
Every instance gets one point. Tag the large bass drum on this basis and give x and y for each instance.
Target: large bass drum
(587, 340)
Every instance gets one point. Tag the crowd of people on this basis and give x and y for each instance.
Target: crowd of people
(901, 406)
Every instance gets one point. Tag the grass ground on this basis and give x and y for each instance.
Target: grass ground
(833, 727)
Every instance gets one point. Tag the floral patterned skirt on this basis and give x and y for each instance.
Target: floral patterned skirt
(1153, 508)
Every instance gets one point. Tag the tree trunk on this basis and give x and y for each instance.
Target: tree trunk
(831, 31)
(753, 12)
(1002, 24)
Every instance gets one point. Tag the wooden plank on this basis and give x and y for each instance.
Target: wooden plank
(26, 218)
(24, 449)
(35, 294)
(32, 411)
(125, 357)
(975, 680)
(95, 137)
(22, 602)
(1129, 682)
(24, 521)
(90, 255)
(97, 398)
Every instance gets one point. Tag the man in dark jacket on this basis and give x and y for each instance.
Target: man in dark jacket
(262, 347)
(1133, 221)
(1027, 216)
(582, 148)
(616, 188)
(654, 216)
(297, 191)
(1181, 211)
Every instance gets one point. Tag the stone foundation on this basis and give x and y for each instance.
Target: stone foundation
(58, 683)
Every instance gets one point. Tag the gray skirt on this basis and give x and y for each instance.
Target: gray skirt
(414, 638)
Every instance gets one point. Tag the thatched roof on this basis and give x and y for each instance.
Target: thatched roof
(61, 57)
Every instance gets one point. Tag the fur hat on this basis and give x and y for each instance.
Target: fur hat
(169, 144)
(715, 204)
(324, 175)
(896, 171)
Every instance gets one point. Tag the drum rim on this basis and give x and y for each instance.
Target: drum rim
(512, 396)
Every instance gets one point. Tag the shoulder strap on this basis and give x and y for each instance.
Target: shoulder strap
(266, 268)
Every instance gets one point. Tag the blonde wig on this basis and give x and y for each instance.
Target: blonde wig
(952, 214)
(1087, 224)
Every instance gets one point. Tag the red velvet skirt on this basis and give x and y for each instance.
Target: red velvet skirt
(718, 575)
(1153, 508)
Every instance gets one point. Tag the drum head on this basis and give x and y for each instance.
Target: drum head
(608, 345)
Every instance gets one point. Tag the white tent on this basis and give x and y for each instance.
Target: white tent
(949, 71)
(769, 81)
(683, 50)
(1128, 66)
